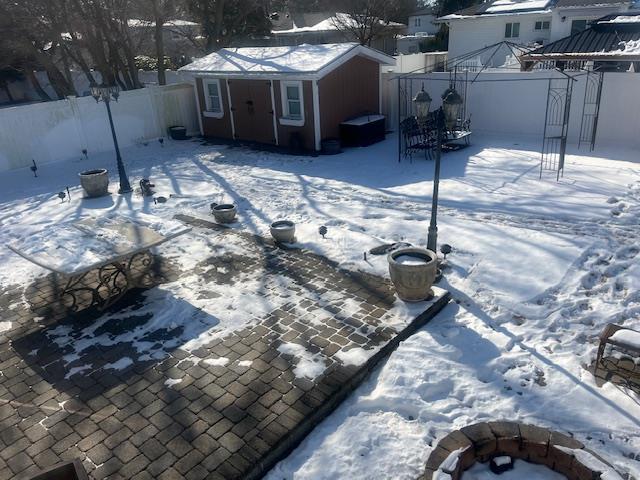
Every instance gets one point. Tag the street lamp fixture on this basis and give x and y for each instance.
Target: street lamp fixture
(422, 101)
(105, 93)
(451, 104)
(445, 117)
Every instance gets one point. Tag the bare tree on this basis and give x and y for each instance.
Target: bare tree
(28, 33)
(160, 11)
(224, 20)
(366, 20)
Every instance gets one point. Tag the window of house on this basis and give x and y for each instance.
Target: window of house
(212, 97)
(292, 103)
(544, 25)
(577, 26)
(416, 22)
(512, 30)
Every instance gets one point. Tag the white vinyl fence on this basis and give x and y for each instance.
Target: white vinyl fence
(514, 103)
(51, 131)
(23, 91)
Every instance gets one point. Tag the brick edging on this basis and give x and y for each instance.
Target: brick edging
(285, 447)
(486, 440)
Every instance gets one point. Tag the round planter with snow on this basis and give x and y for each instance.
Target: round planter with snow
(413, 271)
(224, 213)
(283, 231)
(95, 182)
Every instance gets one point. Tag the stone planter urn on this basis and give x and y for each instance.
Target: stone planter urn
(224, 213)
(283, 231)
(413, 271)
(95, 182)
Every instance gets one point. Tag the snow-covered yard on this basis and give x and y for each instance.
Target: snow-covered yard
(538, 268)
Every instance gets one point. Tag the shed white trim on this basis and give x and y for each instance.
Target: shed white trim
(199, 110)
(316, 115)
(273, 112)
(233, 125)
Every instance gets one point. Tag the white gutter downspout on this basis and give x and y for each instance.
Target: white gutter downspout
(316, 114)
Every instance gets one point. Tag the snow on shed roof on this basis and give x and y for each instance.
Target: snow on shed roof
(301, 59)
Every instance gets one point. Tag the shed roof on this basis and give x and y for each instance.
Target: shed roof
(300, 61)
(612, 38)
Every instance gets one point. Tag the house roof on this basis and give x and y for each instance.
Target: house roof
(424, 11)
(589, 3)
(301, 61)
(134, 22)
(327, 24)
(611, 38)
(498, 7)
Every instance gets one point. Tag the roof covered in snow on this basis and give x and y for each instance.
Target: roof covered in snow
(610, 38)
(497, 7)
(329, 24)
(590, 3)
(299, 60)
(134, 22)
(514, 7)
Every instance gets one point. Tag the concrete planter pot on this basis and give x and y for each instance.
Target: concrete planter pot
(95, 182)
(224, 213)
(413, 271)
(283, 231)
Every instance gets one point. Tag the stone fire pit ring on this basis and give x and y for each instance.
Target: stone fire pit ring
(484, 441)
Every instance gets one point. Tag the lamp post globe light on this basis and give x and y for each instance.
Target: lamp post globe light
(422, 101)
(451, 104)
(445, 117)
(105, 93)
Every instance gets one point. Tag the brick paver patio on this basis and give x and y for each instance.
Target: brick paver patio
(186, 414)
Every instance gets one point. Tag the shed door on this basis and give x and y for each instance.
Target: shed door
(252, 110)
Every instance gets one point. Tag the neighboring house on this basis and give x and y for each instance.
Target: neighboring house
(612, 43)
(525, 22)
(573, 16)
(420, 27)
(316, 28)
(292, 96)
(423, 21)
(181, 38)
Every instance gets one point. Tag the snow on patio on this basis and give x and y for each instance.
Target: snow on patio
(538, 268)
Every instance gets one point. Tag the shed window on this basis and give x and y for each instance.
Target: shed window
(292, 103)
(512, 30)
(294, 110)
(212, 97)
(542, 25)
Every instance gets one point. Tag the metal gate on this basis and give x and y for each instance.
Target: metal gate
(556, 125)
(591, 109)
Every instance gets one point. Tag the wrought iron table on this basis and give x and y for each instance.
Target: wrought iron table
(108, 247)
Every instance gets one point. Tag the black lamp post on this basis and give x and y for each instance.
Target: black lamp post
(105, 93)
(445, 117)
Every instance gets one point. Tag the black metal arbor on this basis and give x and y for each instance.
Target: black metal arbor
(463, 71)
